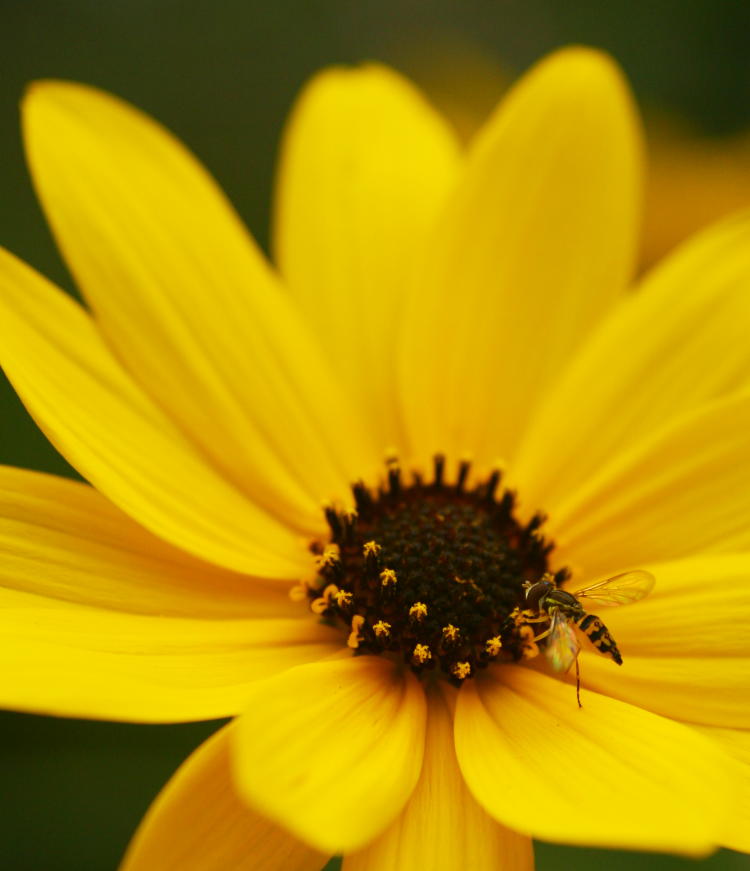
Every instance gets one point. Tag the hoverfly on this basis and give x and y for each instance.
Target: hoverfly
(564, 611)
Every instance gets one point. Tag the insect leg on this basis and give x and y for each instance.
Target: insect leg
(578, 683)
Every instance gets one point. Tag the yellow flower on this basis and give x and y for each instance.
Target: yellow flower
(692, 181)
(428, 305)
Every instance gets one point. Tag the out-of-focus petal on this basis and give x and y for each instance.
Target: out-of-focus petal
(199, 823)
(442, 826)
(685, 490)
(736, 743)
(677, 343)
(535, 245)
(78, 661)
(106, 426)
(607, 774)
(63, 540)
(332, 751)
(188, 302)
(366, 165)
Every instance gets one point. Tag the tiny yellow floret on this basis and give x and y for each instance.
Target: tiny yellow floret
(493, 645)
(421, 654)
(388, 578)
(323, 603)
(461, 670)
(450, 632)
(418, 611)
(382, 629)
(343, 597)
(329, 557)
(371, 548)
(355, 636)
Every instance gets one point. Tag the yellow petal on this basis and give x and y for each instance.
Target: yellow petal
(692, 611)
(199, 823)
(736, 744)
(684, 490)
(107, 427)
(685, 653)
(365, 167)
(64, 540)
(534, 247)
(187, 300)
(677, 343)
(442, 826)
(82, 661)
(332, 751)
(710, 689)
(607, 774)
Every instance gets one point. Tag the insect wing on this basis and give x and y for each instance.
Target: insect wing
(562, 644)
(621, 589)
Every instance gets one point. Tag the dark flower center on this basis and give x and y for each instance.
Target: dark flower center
(432, 572)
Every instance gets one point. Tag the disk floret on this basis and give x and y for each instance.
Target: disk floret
(431, 572)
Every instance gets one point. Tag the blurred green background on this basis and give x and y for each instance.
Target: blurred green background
(223, 75)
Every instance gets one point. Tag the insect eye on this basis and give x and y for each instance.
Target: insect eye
(534, 593)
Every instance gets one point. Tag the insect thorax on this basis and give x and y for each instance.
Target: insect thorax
(564, 601)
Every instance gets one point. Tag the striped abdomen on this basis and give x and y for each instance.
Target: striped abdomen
(599, 636)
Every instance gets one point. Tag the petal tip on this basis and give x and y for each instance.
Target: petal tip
(49, 90)
(365, 77)
(584, 59)
(580, 70)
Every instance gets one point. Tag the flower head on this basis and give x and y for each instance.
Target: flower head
(430, 313)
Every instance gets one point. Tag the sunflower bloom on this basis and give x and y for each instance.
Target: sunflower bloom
(325, 498)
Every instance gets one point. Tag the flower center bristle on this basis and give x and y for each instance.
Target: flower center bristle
(431, 572)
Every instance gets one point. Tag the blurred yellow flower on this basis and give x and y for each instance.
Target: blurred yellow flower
(427, 304)
(692, 180)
